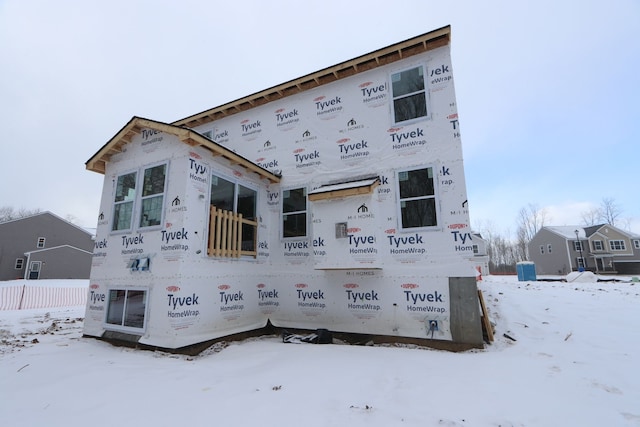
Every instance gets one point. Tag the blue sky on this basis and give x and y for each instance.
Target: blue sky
(547, 91)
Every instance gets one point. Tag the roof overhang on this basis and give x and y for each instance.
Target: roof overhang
(414, 46)
(115, 145)
(353, 188)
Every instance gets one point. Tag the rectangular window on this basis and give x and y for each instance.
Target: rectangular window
(153, 186)
(417, 198)
(127, 308)
(541, 249)
(19, 263)
(41, 241)
(294, 213)
(636, 244)
(475, 249)
(617, 245)
(409, 94)
(577, 246)
(549, 248)
(580, 262)
(233, 197)
(597, 245)
(123, 201)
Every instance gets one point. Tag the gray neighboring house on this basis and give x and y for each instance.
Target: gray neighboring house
(600, 248)
(44, 246)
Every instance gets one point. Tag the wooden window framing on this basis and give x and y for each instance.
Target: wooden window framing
(225, 234)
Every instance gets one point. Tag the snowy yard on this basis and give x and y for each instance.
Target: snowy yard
(574, 363)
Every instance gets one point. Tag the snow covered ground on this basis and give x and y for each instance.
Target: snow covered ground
(575, 362)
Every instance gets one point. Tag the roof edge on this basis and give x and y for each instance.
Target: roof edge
(387, 55)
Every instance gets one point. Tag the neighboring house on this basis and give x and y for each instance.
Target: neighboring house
(600, 248)
(478, 255)
(44, 246)
(336, 200)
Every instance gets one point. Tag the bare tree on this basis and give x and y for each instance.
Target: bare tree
(530, 220)
(609, 211)
(590, 217)
(8, 213)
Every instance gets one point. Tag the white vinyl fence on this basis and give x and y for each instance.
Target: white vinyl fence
(22, 295)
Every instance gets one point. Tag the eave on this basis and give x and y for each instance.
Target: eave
(378, 58)
(97, 163)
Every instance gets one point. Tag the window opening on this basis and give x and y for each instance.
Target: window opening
(41, 241)
(417, 198)
(152, 196)
(409, 94)
(294, 213)
(127, 308)
(123, 201)
(233, 219)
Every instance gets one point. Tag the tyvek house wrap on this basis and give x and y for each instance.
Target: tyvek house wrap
(356, 269)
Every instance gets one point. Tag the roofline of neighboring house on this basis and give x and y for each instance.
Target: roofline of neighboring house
(52, 214)
(549, 228)
(58, 247)
(384, 56)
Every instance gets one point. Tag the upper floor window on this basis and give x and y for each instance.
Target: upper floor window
(577, 245)
(617, 245)
(153, 187)
(417, 198)
(41, 241)
(549, 248)
(151, 198)
(597, 245)
(409, 94)
(294, 212)
(123, 201)
(475, 249)
(541, 249)
(636, 244)
(19, 263)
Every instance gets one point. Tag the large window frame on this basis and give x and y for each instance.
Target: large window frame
(238, 197)
(418, 206)
(124, 308)
(597, 245)
(577, 245)
(138, 199)
(295, 213)
(617, 245)
(409, 94)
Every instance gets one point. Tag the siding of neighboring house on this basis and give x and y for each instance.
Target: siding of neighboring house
(560, 260)
(64, 250)
(605, 249)
(615, 250)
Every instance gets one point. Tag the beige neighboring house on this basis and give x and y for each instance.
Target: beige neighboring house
(44, 246)
(600, 248)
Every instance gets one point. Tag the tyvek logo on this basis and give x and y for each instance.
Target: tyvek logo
(406, 139)
(373, 94)
(328, 108)
(306, 159)
(350, 150)
(250, 130)
(286, 119)
(350, 285)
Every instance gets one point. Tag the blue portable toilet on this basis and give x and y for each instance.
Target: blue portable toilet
(526, 271)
